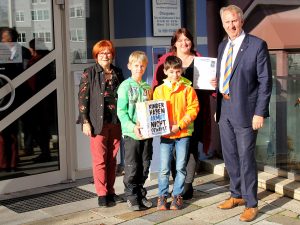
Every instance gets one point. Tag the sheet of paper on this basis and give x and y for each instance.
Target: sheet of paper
(205, 69)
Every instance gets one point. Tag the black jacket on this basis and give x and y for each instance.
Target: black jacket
(91, 96)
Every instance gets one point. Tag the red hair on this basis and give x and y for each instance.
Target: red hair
(101, 46)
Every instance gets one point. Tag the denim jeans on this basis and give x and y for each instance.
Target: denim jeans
(166, 154)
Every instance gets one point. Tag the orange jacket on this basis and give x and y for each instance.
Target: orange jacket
(182, 104)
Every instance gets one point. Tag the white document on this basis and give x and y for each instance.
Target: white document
(205, 69)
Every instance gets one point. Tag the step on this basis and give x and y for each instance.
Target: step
(280, 185)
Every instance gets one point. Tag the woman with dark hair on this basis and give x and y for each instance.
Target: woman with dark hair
(182, 46)
(98, 115)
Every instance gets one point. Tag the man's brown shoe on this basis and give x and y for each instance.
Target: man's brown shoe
(249, 214)
(231, 203)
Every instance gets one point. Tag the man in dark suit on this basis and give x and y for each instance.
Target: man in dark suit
(244, 90)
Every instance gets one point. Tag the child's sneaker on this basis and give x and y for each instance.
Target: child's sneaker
(177, 203)
(133, 205)
(146, 203)
(162, 203)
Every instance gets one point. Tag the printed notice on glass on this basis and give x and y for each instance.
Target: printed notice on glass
(166, 17)
(205, 69)
(153, 118)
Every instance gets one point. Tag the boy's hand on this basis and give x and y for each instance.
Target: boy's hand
(86, 129)
(174, 129)
(137, 130)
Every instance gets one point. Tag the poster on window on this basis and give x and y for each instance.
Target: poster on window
(153, 118)
(166, 17)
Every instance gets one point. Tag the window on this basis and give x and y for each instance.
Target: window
(22, 37)
(76, 11)
(77, 35)
(47, 37)
(34, 1)
(79, 12)
(46, 15)
(43, 1)
(40, 14)
(43, 36)
(19, 16)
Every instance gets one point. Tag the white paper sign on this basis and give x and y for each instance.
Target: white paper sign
(166, 17)
(153, 118)
(205, 69)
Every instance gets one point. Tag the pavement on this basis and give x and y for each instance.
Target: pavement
(210, 190)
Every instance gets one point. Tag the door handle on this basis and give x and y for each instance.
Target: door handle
(13, 93)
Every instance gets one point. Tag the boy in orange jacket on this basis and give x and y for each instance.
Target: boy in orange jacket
(183, 107)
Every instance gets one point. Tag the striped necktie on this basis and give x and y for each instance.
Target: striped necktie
(228, 69)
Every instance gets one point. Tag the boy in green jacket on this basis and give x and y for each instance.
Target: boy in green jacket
(138, 152)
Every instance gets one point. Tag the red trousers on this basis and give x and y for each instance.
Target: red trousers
(104, 149)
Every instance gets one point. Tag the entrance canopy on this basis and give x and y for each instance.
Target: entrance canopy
(278, 25)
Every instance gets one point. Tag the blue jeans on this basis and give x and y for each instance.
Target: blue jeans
(166, 154)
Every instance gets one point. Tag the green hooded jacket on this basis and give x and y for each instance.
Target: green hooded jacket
(129, 93)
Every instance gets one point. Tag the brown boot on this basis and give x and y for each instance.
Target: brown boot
(231, 203)
(249, 214)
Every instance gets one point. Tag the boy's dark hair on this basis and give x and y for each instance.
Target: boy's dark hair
(172, 61)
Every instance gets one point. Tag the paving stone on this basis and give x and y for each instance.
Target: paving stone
(106, 221)
(12, 218)
(236, 220)
(182, 220)
(265, 222)
(116, 210)
(136, 214)
(208, 178)
(162, 216)
(269, 209)
(211, 188)
(287, 203)
(289, 214)
(209, 199)
(285, 220)
(71, 207)
(70, 219)
(137, 221)
(212, 214)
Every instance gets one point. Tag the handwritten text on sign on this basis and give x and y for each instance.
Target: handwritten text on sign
(153, 118)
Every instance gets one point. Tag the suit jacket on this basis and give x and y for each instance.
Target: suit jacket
(251, 81)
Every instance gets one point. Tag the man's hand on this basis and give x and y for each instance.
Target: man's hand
(257, 122)
(137, 130)
(86, 129)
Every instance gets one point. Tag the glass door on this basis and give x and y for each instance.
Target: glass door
(32, 145)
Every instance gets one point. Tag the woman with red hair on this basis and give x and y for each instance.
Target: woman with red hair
(98, 115)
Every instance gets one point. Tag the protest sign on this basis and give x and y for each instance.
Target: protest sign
(153, 118)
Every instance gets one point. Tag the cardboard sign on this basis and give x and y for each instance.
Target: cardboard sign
(153, 118)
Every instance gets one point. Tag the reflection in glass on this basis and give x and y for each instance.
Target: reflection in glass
(87, 27)
(29, 144)
(278, 143)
